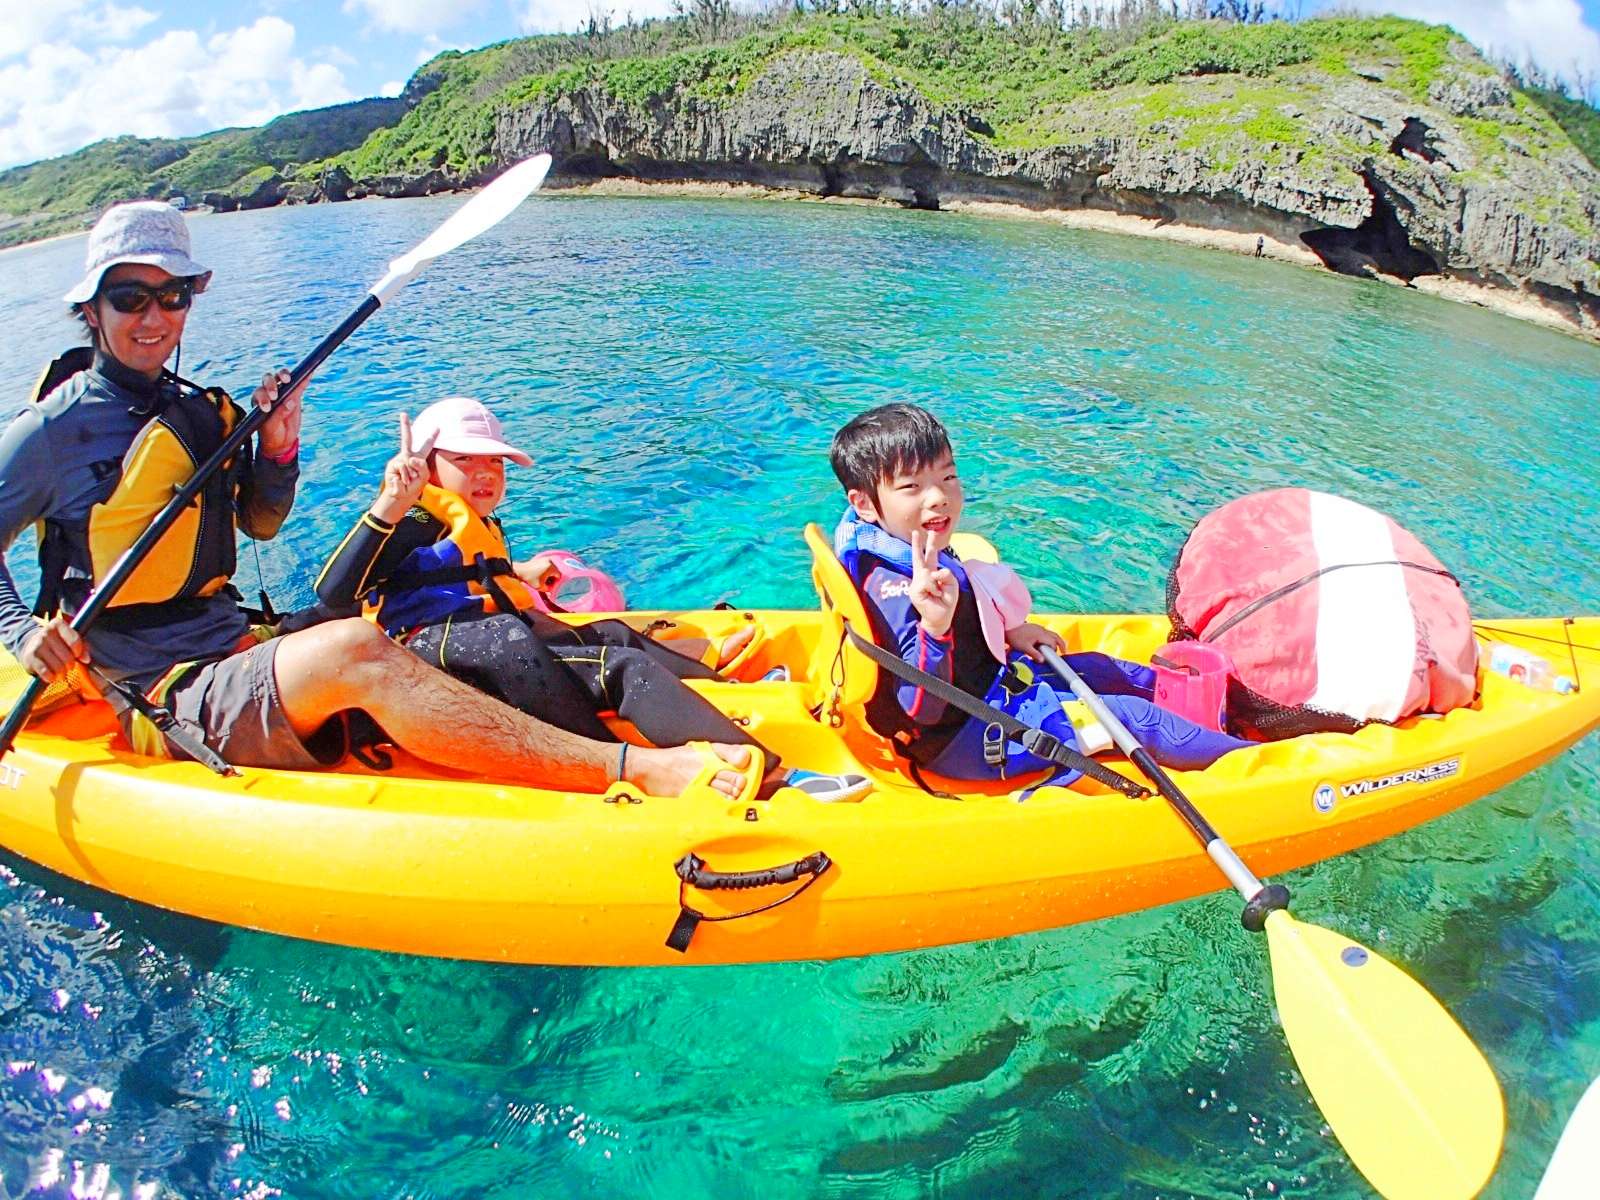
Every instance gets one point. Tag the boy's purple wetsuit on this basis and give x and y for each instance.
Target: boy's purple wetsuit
(942, 738)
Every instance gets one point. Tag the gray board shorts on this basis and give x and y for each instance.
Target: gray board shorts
(234, 703)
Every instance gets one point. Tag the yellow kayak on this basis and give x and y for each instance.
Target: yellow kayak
(415, 860)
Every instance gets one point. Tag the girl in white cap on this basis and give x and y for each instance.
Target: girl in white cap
(430, 560)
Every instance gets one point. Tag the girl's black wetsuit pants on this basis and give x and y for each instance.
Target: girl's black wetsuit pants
(566, 675)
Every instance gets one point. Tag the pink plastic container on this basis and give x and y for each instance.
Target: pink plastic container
(1192, 681)
(579, 588)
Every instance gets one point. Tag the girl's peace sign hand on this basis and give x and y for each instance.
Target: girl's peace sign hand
(403, 477)
(934, 592)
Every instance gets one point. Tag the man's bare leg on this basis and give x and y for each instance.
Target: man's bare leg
(350, 664)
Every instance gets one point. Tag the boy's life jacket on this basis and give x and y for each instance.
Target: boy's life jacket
(467, 567)
(920, 724)
(196, 556)
(948, 741)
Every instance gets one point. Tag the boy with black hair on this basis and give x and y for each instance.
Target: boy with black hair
(965, 622)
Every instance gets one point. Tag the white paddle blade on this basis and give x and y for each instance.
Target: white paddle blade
(488, 208)
(1410, 1098)
(1574, 1170)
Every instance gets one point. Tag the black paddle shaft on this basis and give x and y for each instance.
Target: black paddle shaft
(1192, 817)
(181, 499)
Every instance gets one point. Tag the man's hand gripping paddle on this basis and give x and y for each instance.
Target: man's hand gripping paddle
(481, 212)
(1411, 1099)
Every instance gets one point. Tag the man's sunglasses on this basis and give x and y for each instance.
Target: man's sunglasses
(135, 297)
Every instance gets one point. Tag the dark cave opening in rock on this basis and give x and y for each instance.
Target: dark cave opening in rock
(1416, 137)
(1379, 244)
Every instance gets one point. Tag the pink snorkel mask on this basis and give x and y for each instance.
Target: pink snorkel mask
(579, 587)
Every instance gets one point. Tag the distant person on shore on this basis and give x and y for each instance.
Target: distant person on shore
(429, 559)
(110, 435)
(1261, 244)
(966, 623)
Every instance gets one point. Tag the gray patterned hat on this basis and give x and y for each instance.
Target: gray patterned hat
(145, 231)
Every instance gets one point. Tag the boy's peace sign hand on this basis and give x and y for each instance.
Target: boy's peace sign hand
(403, 477)
(934, 591)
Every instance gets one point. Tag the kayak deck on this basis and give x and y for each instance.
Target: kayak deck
(416, 860)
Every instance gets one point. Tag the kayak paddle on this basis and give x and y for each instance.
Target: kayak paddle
(481, 212)
(1409, 1096)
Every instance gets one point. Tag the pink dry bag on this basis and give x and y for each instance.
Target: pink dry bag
(579, 587)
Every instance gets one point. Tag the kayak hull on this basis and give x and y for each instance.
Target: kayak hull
(416, 861)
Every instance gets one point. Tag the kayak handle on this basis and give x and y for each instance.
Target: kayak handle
(692, 869)
(693, 873)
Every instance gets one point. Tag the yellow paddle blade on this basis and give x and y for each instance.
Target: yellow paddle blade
(1402, 1086)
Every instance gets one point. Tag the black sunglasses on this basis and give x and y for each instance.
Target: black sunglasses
(135, 297)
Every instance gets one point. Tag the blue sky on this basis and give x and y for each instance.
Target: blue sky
(66, 65)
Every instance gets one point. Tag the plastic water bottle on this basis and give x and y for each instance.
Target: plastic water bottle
(1527, 668)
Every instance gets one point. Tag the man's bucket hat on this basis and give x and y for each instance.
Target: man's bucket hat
(146, 231)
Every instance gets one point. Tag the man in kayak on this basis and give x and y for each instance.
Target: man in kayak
(966, 622)
(109, 437)
(429, 558)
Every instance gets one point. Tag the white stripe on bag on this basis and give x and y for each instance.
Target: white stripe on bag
(1366, 634)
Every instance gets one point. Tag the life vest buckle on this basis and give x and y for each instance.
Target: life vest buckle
(994, 745)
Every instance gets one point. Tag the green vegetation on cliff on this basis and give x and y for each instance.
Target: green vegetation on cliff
(1221, 89)
(1581, 121)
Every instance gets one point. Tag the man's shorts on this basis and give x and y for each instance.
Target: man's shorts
(234, 705)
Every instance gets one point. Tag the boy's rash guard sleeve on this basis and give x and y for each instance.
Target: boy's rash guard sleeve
(888, 592)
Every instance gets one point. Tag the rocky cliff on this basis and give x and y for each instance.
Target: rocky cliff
(1465, 183)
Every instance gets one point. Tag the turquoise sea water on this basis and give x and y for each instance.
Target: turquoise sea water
(678, 367)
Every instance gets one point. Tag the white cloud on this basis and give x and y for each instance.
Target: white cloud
(1550, 33)
(412, 16)
(393, 88)
(114, 23)
(67, 93)
(29, 22)
(564, 16)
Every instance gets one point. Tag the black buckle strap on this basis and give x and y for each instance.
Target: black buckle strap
(1037, 741)
(480, 570)
(186, 737)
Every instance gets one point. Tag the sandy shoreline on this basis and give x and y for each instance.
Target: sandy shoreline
(1518, 305)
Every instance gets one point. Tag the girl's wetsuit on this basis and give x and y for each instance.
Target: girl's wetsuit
(562, 674)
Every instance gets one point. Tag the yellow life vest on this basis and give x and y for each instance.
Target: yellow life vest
(196, 556)
(469, 566)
